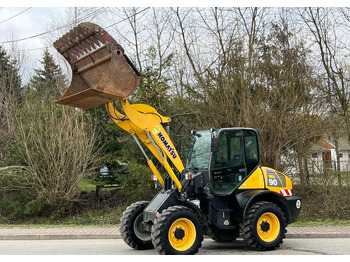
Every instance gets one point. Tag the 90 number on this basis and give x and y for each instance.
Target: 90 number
(273, 182)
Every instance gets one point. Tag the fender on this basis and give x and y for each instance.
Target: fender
(247, 198)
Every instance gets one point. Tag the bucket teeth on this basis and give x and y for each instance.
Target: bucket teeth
(95, 41)
(87, 45)
(79, 51)
(73, 51)
(99, 73)
(82, 47)
(101, 38)
(80, 41)
(90, 43)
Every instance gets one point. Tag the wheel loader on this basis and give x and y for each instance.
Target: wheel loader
(222, 191)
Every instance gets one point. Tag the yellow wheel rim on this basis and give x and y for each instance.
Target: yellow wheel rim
(182, 234)
(268, 227)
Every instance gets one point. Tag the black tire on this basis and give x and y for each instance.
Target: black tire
(177, 232)
(130, 227)
(264, 227)
(223, 235)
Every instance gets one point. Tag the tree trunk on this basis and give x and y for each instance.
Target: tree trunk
(307, 173)
(301, 170)
(338, 161)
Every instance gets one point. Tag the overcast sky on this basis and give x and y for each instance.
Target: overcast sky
(19, 21)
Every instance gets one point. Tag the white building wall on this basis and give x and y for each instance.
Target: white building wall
(344, 161)
(315, 163)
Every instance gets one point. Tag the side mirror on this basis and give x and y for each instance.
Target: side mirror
(214, 144)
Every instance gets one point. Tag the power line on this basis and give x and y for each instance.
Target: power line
(14, 15)
(79, 20)
(58, 28)
(139, 12)
(34, 49)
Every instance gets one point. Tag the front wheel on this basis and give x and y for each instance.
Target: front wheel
(177, 232)
(264, 227)
(131, 227)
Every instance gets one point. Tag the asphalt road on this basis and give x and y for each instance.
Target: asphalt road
(321, 246)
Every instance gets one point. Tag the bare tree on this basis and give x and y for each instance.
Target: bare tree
(56, 148)
(325, 25)
(10, 95)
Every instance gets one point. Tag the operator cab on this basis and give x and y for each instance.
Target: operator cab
(229, 154)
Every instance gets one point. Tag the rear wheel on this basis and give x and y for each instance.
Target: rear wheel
(177, 232)
(131, 227)
(265, 226)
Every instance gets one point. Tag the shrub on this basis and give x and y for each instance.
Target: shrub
(138, 183)
(53, 150)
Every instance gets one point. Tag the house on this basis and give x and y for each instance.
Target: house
(323, 156)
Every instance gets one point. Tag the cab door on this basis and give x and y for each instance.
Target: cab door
(237, 155)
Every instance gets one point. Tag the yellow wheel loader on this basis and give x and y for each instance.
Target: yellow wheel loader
(222, 190)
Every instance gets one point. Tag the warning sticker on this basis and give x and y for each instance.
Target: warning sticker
(273, 179)
(156, 130)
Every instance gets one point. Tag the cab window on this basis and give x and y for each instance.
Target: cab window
(251, 150)
(237, 156)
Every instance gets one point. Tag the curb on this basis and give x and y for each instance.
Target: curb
(57, 237)
(316, 235)
(59, 233)
(118, 236)
(113, 233)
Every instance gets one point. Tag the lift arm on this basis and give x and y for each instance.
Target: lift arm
(144, 122)
(102, 73)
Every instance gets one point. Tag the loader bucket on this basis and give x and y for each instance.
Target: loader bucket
(101, 72)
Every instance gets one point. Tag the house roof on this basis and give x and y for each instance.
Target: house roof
(325, 145)
(318, 148)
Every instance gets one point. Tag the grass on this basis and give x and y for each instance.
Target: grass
(88, 185)
(104, 209)
(96, 218)
(107, 209)
(86, 223)
(327, 222)
(49, 225)
(88, 218)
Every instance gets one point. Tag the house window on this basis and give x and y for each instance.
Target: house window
(314, 155)
(340, 155)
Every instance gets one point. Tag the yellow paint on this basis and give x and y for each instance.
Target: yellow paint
(146, 109)
(255, 181)
(156, 172)
(259, 180)
(282, 178)
(144, 120)
(189, 237)
(121, 120)
(271, 232)
(156, 130)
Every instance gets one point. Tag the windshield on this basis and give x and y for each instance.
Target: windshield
(199, 151)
